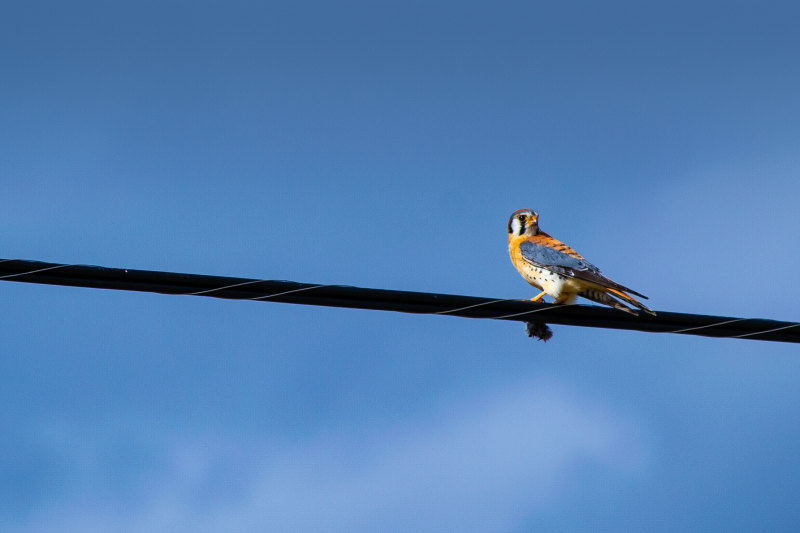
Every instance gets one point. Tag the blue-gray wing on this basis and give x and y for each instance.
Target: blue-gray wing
(567, 265)
(558, 262)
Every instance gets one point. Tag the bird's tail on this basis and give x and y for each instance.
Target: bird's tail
(604, 296)
(630, 300)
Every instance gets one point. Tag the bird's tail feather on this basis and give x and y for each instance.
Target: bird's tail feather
(602, 297)
(631, 301)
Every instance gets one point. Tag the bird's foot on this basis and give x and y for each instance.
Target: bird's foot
(539, 297)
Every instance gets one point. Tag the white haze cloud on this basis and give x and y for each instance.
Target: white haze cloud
(482, 465)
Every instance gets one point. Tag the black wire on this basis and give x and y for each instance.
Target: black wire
(389, 300)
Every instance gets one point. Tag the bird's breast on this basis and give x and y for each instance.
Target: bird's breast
(543, 278)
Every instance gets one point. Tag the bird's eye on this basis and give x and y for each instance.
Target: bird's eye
(521, 218)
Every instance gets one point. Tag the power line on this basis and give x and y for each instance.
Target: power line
(389, 300)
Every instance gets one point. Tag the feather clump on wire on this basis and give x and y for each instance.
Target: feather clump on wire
(539, 330)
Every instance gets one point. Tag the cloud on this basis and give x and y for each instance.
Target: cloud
(485, 465)
(717, 238)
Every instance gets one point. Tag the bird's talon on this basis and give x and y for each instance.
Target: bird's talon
(538, 298)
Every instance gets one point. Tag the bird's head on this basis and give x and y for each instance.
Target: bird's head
(523, 222)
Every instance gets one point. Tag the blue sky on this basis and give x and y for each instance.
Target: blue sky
(384, 144)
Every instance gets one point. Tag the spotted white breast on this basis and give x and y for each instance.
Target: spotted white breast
(555, 285)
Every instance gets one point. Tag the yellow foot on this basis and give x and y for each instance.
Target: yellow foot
(536, 299)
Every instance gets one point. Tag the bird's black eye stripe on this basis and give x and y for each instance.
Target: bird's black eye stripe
(521, 219)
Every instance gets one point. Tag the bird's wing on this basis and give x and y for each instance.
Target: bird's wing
(567, 263)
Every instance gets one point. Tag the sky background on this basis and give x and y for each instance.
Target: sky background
(384, 144)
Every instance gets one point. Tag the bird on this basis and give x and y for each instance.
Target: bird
(559, 271)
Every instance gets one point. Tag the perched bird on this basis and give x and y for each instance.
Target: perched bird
(559, 271)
